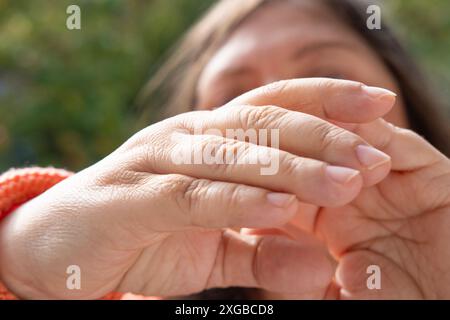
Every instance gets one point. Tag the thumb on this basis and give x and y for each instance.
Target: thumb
(270, 262)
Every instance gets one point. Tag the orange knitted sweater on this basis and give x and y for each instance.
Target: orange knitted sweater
(18, 186)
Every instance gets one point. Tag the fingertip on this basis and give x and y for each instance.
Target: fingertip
(379, 100)
(266, 210)
(282, 200)
(343, 185)
(376, 165)
(341, 175)
(376, 175)
(378, 93)
(361, 104)
(282, 207)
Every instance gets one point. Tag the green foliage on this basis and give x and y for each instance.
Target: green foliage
(66, 97)
(425, 27)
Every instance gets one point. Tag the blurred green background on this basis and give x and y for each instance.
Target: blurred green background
(66, 97)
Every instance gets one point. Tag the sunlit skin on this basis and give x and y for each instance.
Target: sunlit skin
(383, 225)
(358, 191)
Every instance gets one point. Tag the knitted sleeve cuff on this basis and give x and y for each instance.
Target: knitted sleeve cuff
(18, 186)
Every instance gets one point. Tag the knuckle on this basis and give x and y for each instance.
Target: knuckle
(121, 177)
(330, 136)
(261, 117)
(220, 153)
(187, 193)
(290, 165)
(229, 152)
(170, 185)
(187, 120)
(197, 199)
(328, 85)
(148, 156)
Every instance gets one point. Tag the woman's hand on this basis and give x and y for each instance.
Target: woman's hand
(138, 222)
(401, 225)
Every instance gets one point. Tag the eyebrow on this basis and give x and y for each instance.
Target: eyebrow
(230, 72)
(321, 46)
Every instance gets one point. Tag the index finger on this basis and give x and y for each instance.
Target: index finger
(332, 99)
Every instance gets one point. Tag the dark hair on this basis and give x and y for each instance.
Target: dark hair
(180, 74)
(423, 108)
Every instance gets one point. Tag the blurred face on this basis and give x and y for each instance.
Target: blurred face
(288, 40)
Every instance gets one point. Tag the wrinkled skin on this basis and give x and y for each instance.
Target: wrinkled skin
(399, 224)
(136, 222)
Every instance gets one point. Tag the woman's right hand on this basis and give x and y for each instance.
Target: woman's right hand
(139, 222)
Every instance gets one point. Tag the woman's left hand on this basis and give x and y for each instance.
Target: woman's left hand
(397, 230)
(399, 227)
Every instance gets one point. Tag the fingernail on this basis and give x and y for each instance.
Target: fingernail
(371, 157)
(379, 93)
(340, 174)
(281, 200)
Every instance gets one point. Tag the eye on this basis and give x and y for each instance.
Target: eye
(324, 72)
(333, 75)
